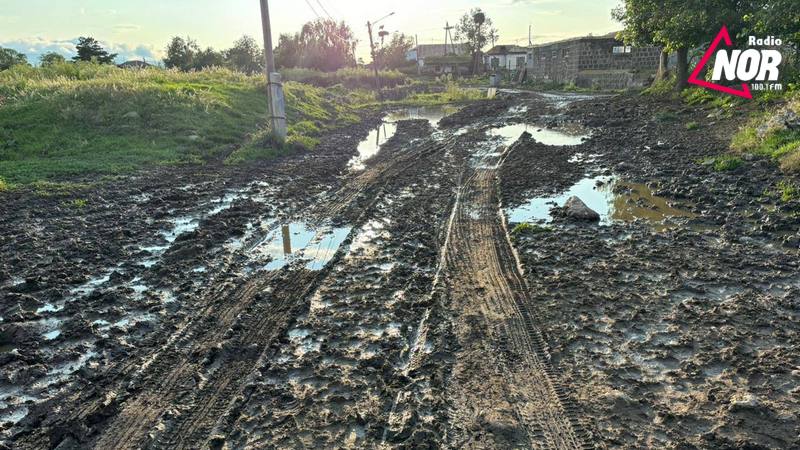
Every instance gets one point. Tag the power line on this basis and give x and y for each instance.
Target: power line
(319, 2)
(312, 9)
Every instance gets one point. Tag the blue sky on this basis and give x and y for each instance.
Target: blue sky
(137, 29)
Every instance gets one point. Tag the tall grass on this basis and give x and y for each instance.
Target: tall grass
(78, 119)
(351, 78)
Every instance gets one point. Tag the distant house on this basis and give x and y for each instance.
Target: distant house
(506, 57)
(135, 65)
(593, 61)
(440, 59)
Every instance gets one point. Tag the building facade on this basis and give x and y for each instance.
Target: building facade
(593, 62)
(506, 57)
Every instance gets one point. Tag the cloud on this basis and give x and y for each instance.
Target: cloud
(35, 47)
(123, 27)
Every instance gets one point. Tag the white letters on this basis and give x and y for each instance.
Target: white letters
(770, 59)
(747, 66)
(726, 63)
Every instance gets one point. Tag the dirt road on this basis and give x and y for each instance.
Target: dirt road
(372, 295)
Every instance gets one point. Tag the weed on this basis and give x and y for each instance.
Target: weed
(78, 203)
(725, 163)
(791, 163)
(691, 126)
(3, 185)
(661, 88)
(788, 191)
(528, 228)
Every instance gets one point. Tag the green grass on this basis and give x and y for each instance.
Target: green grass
(77, 120)
(779, 143)
(351, 78)
(724, 163)
(453, 93)
(692, 126)
(788, 191)
(527, 228)
(78, 203)
(4, 186)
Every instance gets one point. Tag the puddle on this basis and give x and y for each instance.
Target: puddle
(370, 146)
(615, 201)
(511, 133)
(300, 241)
(432, 114)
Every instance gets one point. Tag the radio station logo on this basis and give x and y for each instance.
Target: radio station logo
(756, 68)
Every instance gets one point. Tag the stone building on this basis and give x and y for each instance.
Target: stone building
(593, 61)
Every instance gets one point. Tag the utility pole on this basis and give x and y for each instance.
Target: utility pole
(275, 99)
(372, 50)
(447, 29)
(374, 59)
(416, 42)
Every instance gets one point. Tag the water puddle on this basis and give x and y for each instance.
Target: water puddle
(370, 146)
(614, 200)
(433, 114)
(300, 241)
(511, 133)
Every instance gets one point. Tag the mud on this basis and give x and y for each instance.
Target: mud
(371, 295)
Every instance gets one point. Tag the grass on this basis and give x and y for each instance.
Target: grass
(724, 163)
(665, 116)
(692, 126)
(350, 78)
(788, 191)
(74, 120)
(78, 203)
(774, 141)
(527, 228)
(4, 186)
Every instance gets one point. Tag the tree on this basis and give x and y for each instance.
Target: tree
(679, 25)
(393, 55)
(181, 53)
(10, 58)
(322, 44)
(51, 59)
(208, 58)
(245, 56)
(91, 50)
(475, 30)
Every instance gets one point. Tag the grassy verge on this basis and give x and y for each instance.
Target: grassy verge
(767, 135)
(350, 78)
(74, 120)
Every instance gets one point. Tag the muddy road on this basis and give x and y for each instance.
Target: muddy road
(379, 293)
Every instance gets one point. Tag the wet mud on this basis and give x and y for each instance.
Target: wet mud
(372, 294)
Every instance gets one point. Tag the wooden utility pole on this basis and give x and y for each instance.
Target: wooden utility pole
(275, 98)
(447, 29)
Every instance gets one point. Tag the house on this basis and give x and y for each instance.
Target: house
(439, 59)
(593, 62)
(506, 57)
(135, 65)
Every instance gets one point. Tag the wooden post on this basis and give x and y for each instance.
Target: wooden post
(275, 98)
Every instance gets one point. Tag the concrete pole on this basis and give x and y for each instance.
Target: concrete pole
(275, 99)
(374, 58)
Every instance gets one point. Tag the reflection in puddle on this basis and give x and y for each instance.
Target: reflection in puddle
(615, 201)
(432, 114)
(369, 147)
(511, 133)
(301, 241)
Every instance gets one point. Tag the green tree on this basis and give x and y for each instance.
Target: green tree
(51, 59)
(679, 25)
(91, 50)
(475, 30)
(181, 53)
(393, 55)
(10, 58)
(208, 58)
(322, 44)
(245, 56)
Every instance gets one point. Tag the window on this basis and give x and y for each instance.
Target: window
(564, 52)
(619, 50)
(520, 61)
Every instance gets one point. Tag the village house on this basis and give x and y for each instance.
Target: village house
(438, 59)
(593, 62)
(506, 57)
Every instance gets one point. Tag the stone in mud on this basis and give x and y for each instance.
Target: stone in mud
(574, 209)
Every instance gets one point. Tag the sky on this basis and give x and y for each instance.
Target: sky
(142, 28)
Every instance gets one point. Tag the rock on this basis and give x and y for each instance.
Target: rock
(575, 209)
(131, 115)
